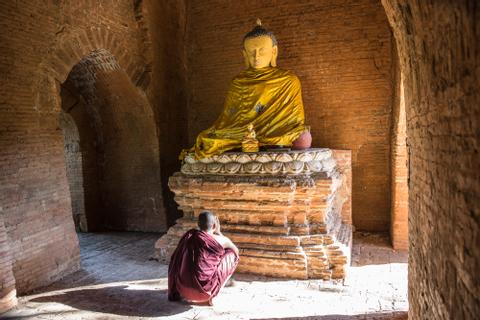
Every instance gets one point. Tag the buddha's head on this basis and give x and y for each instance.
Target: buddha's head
(260, 48)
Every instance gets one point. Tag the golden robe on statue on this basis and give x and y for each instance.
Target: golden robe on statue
(269, 98)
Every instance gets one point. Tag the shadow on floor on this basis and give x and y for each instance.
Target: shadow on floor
(371, 316)
(121, 301)
(11, 315)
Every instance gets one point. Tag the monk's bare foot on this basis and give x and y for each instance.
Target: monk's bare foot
(209, 302)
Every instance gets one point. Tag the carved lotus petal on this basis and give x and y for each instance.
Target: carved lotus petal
(263, 158)
(198, 167)
(329, 164)
(322, 154)
(305, 156)
(206, 160)
(283, 157)
(224, 158)
(273, 167)
(186, 168)
(314, 166)
(214, 167)
(252, 167)
(190, 158)
(232, 167)
(294, 167)
(233, 156)
(317, 155)
(244, 158)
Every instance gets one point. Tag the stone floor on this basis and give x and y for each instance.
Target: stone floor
(118, 281)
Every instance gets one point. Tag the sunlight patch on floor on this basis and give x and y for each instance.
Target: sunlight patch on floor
(375, 288)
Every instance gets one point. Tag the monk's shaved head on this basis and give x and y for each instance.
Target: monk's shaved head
(206, 220)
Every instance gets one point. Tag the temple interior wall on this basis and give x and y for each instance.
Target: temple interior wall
(399, 164)
(119, 145)
(439, 55)
(343, 56)
(341, 51)
(81, 159)
(74, 169)
(40, 44)
(164, 24)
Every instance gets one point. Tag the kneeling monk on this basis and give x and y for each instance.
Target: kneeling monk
(202, 262)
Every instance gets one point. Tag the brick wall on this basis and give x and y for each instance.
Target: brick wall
(125, 145)
(74, 106)
(74, 170)
(40, 42)
(164, 23)
(8, 294)
(439, 56)
(342, 53)
(131, 190)
(399, 158)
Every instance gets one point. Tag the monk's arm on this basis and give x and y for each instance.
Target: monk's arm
(226, 242)
(229, 244)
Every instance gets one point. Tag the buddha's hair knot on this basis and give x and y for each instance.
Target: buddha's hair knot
(259, 31)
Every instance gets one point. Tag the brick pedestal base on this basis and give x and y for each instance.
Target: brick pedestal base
(291, 225)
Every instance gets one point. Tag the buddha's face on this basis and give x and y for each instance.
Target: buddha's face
(259, 51)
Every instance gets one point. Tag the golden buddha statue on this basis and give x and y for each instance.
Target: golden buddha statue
(264, 96)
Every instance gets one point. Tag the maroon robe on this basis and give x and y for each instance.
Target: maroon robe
(199, 267)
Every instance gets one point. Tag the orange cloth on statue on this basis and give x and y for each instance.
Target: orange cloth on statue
(269, 98)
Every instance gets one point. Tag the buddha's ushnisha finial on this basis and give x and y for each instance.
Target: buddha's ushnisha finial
(259, 31)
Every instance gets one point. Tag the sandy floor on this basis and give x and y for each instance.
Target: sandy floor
(118, 281)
